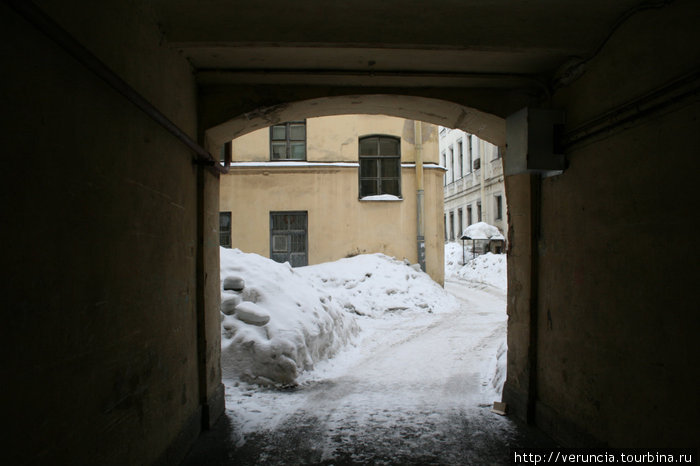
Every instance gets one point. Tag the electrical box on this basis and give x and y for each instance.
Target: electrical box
(533, 138)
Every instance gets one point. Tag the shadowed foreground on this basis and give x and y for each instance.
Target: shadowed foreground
(417, 391)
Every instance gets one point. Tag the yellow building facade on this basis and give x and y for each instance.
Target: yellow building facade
(331, 187)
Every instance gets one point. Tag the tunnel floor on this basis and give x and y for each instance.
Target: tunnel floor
(418, 391)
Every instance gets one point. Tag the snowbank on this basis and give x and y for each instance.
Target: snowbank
(482, 230)
(488, 268)
(373, 284)
(284, 321)
(280, 324)
(454, 257)
(497, 374)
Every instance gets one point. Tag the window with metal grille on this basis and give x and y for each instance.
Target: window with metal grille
(289, 238)
(288, 141)
(380, 166)
(225, 229)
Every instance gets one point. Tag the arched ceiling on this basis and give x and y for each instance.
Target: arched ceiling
(258, 61)
(474, 43)
(439, 112)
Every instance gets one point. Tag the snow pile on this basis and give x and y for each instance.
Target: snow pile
(454, 257)
(489, 269)
(374, 284)
(497, 375)
(482, 230)
(278, 323)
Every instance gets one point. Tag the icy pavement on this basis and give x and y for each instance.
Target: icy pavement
(415, 389)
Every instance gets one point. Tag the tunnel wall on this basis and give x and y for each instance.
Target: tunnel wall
(110, 243)
(615, 323)
(100, 236)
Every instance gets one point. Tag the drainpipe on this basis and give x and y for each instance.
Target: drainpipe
(420, 200)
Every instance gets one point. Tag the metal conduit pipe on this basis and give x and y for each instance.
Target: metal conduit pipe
(40, 20)
(420, 200)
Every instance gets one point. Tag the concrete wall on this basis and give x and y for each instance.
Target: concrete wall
(606, 355)
(340, 224)
(100, 235)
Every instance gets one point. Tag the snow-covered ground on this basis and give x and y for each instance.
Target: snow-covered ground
(488, 269)
(374, 355)
(278, 322)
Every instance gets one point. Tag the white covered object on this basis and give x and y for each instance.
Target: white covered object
(482, 230)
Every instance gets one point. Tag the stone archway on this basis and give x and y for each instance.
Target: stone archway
(437, 111)
(485, 125)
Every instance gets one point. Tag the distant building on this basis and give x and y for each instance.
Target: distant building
(473, 183)
(325, 188)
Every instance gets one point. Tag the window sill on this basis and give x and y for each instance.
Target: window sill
(381, 198)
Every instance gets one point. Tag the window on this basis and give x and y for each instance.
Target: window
(288, 141)
(469, 152)
(499, 207)
(380, 166)
(460, 154)
(452, 165)
(225, 229)
(478, 211)
(469, 215)
(288, 238)
(497, 153)
(225, 152)
(443, 163)
(459, 222)
(445, 225)
(452, 226)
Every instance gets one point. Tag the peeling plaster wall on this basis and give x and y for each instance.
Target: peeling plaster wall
(100, 234)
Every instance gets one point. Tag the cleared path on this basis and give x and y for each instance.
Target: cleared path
(416, 390)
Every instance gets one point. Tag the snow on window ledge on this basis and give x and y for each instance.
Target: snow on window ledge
(382, 198)
(293, 163)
